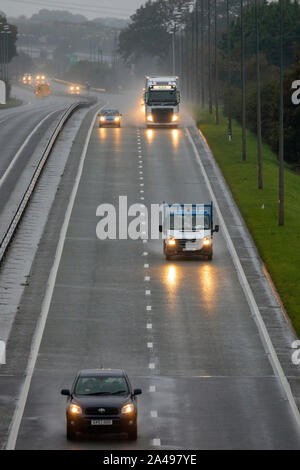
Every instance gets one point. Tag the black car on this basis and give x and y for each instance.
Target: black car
(110, 117)
(101, 400)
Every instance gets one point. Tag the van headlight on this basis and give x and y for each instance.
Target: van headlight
(175, 117)
(172, 242)
(206, 241)
(149, 118)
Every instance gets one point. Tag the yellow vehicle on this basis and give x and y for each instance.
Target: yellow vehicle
(74, 90)
(42, 89)
(27, 79)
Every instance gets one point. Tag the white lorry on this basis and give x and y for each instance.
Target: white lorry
(188, 229)
(162, 97)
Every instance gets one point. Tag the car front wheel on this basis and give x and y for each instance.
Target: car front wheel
(71, 434)
(132, 434)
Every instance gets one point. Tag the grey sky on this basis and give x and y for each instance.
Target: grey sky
(89, 8)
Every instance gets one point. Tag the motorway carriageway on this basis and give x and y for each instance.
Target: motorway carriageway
(182, 329)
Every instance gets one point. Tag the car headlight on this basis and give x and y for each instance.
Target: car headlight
(102, 118)
(172, 241)
(77, 88)
(206, 241)
(75, 409)
(117, 118)
(127, 409)
(175, 117)
(149, 117)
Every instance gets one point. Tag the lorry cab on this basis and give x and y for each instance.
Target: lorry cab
(162, 99)
(188, 230)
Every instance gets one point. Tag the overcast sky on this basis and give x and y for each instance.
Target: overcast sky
(89, 8)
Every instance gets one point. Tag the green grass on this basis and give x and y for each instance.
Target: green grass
(11, 103)
(279, 247)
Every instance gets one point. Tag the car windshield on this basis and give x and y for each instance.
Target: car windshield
(189, 222)
(165, 96)
(101, 385)
(110, 112)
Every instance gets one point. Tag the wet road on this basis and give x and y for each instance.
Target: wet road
(182, 329)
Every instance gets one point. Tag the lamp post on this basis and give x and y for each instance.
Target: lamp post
(281, 124)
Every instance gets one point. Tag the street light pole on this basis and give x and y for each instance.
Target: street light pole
(216, 65)
(259, 141)
(229, 72)
(281, 128)
(243, 84)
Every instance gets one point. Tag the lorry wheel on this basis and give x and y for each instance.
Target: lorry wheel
(168, 257)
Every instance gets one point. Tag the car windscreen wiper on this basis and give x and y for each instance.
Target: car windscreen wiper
(119, 392)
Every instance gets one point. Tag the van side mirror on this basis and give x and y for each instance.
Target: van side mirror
(65, 392)
(160, 228)
(216, 228)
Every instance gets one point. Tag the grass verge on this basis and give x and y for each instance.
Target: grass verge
(279, 247)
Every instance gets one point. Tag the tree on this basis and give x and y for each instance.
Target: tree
(149, 33)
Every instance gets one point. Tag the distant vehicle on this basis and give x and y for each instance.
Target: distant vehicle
(162, 97)
(42, 90)
(40, 79)
(101, 400)
(74, 90)
(27, 79)
(110, 117)
(188, 230)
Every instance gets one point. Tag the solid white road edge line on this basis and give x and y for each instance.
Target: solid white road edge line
(10, 166)
(38, 334)
(248, 292)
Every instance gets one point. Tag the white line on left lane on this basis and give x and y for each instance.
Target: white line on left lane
(38, 334)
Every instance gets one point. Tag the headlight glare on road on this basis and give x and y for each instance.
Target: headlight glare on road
(75, 409)
(172, 241)
(127, 409)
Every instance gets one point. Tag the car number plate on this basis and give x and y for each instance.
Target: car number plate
(101, 422)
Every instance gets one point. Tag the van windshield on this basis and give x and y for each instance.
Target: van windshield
(189, 223)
